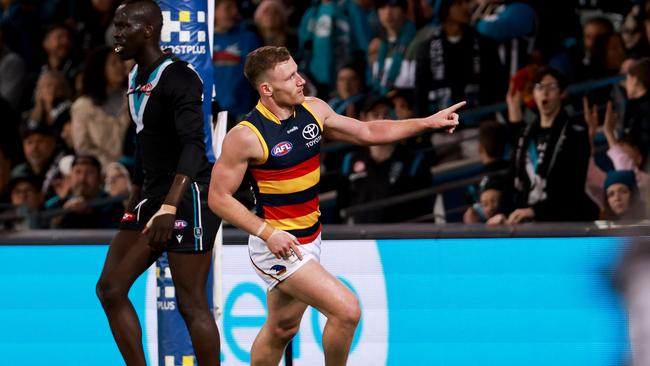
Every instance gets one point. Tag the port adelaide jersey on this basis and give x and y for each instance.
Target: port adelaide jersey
(165, 102)
(285, 182)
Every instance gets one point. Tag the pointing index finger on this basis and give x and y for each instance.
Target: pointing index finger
(456, 106)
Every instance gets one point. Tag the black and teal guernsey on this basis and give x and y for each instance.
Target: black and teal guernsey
(165, 102)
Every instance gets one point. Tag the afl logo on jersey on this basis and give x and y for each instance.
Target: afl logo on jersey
(281, 149)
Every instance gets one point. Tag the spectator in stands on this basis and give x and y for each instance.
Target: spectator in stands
(623, 201)
(491, 201)
(618, 95)
(57, 45)
(349, 99)
(404, 108)
(624, 153)
(12, 74)
(25, 190)
(492, 142)
(232, 42)
(363, 20)
(100, 115)
(328, 38)
(41, 154)
(603, 52)
(457, 64)
(272, 21)
(494, 189)
(117, 181)
(636, 118)
(390, 69)
(550, 158)
(81, 204)
(51, 99)
(349, 91)
(382, 171)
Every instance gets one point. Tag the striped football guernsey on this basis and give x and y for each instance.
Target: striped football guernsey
(285, 182)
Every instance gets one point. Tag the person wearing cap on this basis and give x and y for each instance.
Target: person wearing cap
(379, 171)
(25, 190)
(622, 199)
(81, 203)
(456, 63)
(41, 154)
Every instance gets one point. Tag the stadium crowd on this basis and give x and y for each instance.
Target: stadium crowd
(553, 152)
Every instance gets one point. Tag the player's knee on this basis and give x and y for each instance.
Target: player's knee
(284, 333)
(191, 307)
(350, 312)
(108, 293)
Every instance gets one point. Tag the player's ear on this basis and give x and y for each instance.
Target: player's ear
(148, 31)
(266, 89)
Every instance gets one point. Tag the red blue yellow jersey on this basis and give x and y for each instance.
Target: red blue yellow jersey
(285, 181)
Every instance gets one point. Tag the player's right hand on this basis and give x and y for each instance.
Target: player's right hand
(283, 245)
(159, 229)
(447, 118)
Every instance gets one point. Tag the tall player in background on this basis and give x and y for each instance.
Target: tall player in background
(167, 210)
(279, 146)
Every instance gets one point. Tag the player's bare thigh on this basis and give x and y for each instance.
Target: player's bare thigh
(313, 285)
(285, 311)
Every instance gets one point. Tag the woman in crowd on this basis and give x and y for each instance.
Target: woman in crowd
(622, 200)
(100, 116)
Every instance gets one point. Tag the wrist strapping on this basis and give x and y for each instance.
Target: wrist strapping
(164, 210)
(167, 209)
(265, 231)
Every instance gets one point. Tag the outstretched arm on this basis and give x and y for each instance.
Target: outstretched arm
(379, 132)
(241, 147)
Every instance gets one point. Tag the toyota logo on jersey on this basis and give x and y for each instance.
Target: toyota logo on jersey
(310, 131)
(281, 149)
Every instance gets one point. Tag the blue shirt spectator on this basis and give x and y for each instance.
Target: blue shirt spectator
(232, 42)
(330, 33)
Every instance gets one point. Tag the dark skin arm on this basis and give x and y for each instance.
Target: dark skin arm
(159, 229)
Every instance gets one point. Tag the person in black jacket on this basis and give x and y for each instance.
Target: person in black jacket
(550, 158)
(456, 63)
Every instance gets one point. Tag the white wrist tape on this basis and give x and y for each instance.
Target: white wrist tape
(164, 210)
